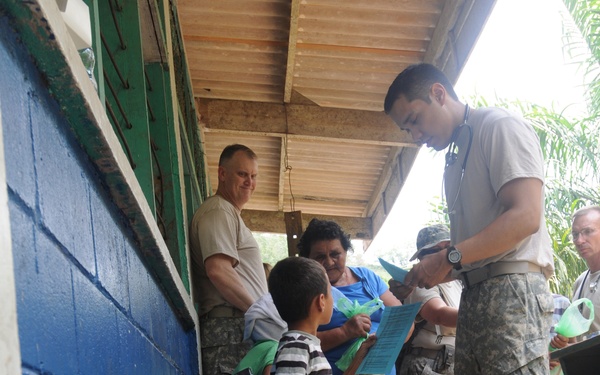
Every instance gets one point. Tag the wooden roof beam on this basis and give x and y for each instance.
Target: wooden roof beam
(303, 121)
(460, 24)
(359, 228)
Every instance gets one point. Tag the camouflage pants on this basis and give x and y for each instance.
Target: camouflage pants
(503, 326)
(413, 364)
(221, 343)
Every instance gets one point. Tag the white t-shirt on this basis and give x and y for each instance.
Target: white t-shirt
(582, 289)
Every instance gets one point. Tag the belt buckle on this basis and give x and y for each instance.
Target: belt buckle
(474, 277)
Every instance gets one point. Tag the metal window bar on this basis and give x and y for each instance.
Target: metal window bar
(117, 101)
(115, 65)
(114, 17)
(120, 133)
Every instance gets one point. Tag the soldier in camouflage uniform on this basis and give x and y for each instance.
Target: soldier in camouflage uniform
(494, 189)
(226, 263)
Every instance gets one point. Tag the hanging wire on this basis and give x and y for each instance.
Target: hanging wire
(288, 167)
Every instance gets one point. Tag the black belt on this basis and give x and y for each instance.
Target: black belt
(224, 312)
(474, 277)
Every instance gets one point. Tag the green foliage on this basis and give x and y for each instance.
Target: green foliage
(582, 43)
(392, 254)
(273, 247)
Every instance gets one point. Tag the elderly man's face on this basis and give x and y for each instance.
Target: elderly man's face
(586, 234)
(237, 179)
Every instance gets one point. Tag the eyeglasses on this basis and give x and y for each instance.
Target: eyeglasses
(586, 232)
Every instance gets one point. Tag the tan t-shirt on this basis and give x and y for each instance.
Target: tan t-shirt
(427, 337)
(218, 228)
(504, 147)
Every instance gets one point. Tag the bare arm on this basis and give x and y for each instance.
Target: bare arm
(437, 312)
(389, 299)
(522, 199)
(355, 327)
(361, 353)
(221, 273)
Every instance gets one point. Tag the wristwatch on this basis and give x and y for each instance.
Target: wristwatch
(454, 257)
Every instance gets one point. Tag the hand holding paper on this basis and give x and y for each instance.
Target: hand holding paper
(395, 325)
(396, 272)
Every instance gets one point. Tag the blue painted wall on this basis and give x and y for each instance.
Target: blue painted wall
(85, 302)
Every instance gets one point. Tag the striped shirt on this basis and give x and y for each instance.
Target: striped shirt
(560, 305)
(300, 353)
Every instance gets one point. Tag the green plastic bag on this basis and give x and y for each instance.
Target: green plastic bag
(349, 309)
(572, 323)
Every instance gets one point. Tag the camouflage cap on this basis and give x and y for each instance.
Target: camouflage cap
(430, 236)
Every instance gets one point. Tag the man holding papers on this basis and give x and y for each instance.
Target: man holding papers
(432, 347)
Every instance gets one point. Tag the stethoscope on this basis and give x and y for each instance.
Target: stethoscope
(453, 153)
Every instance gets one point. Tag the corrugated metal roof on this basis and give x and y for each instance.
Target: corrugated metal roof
(302, 83)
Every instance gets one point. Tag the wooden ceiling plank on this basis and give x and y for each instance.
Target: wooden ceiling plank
(207, 7)
(367, 87)
(360, 30)
(209, 85)
(240, 68)
(239, 36)
(357, 95)
(348, 104)
(153, 44)
(373, 42)
(196, 21)
(332, 200)
(368, 53)
(418, 6)
(270, 79)
(240, 96)
(248, 56)
(345, 76)
(370, 17)
(439, 38)
(291, 59)
(239, 47)
(382, 182)
(370, 70)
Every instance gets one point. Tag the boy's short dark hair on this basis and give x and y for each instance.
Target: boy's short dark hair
(322, 230)
(415, 82)
(294, 282)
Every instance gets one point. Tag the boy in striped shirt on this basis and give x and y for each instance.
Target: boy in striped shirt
(302, 294)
